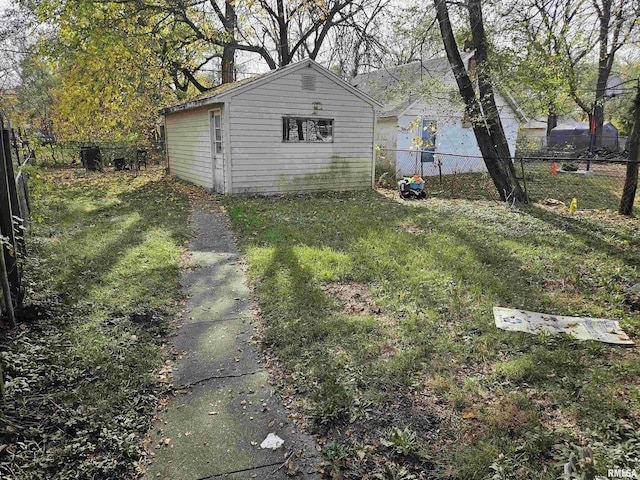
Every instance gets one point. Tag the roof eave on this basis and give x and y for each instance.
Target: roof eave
(191, 105)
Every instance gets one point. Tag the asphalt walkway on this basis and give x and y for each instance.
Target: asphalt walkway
(214, 429)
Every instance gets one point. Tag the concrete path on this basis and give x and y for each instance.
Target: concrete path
(215, 427)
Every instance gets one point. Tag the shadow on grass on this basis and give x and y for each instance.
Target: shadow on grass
(298, 298)
(86, 373)
(436, 268)
(591, 233)
(454, 266)
(120, 245)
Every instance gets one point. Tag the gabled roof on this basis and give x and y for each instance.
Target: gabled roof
(224, 92)
(541, 122)
(399, 87)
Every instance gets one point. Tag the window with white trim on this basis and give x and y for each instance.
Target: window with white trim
(307, 130)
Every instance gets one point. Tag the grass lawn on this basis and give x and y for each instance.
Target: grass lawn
(102, 280)
(380, 313)
(599, 190)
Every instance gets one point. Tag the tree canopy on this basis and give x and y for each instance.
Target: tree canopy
(103, 68)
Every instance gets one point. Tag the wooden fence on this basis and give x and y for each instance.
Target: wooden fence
(14, 212)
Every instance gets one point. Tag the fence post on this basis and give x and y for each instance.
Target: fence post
(17, 222)
(8, 206)
(15, 142)
(6, 292)
(524, 180)
(8, 264)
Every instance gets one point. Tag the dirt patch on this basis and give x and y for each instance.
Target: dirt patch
(34, 314)
(355, 298)
(153, 322)
(364, 437)
(551, 415)
(453, 426)
(632, 298)
(505, 414)
(559, 284)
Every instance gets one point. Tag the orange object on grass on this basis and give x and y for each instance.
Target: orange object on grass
(554, 168)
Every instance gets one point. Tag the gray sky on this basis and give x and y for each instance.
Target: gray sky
(4, 4)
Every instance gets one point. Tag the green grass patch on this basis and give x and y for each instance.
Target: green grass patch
(600, 189)
(102, 281)
(505, 402)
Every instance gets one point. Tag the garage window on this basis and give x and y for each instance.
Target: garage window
(307, 130)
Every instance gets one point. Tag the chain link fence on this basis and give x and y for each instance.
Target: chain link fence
(68, 153)
(595, 183)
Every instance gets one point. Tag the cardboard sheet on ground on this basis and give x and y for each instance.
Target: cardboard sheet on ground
(582, 328)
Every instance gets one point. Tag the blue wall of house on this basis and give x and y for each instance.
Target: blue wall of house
(456, 146)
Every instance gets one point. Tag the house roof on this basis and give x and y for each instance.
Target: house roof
(541, 122)
(398, 87)
(226, 91)
(534, 124)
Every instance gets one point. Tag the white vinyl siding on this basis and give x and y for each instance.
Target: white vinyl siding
(256, 157)
(189, 146)
(262, 163)
(456, 144)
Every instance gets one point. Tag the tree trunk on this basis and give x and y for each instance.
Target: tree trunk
(552, 121)
(604, 69)
(485, 88)
(484, 115)
(284, 54)
(631, 180)
(229, 50)
(606, 56)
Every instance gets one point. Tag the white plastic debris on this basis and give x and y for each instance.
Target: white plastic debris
(582, 328)
(272, 441)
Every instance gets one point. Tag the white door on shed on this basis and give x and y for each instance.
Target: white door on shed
(216, 148)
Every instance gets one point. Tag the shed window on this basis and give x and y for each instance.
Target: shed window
(307, 130)
(217, 132)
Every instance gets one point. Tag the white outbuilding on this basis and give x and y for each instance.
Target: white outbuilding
(296, 129)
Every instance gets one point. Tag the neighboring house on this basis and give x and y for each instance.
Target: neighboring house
(296, 129)
(533, 133)
(423, 126)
